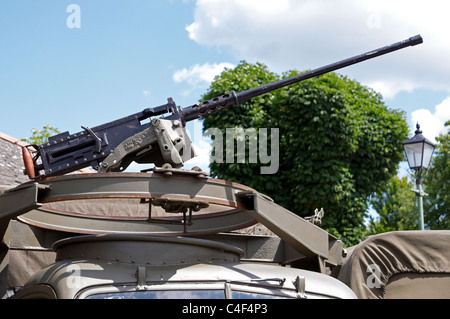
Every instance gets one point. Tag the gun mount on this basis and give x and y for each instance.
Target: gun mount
(113, 146)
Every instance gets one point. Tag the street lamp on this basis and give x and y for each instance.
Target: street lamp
(418, 152)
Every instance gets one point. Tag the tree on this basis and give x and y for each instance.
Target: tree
(396, 207)
(437, 185)
(41, 136)
(338, 143)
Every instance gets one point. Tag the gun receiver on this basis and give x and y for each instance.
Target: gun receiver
(115, 145)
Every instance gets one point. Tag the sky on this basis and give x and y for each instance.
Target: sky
(84, 63)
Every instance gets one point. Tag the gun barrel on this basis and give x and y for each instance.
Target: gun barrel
(233, 99)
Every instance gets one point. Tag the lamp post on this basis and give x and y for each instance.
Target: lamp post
(418, 152)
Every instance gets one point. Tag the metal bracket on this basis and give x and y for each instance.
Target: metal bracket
(228, 291)
(171, 140)
(141, 274)
(175, 207)
(131, 145)
(168, 170)
(18, 201)
(419, 192)
(300, 234)
(171, 137)
(300, 284)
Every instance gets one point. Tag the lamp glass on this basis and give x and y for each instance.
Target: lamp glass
(414, 155)
(427, 154)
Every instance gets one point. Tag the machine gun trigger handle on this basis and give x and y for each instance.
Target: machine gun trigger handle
(28, 162)
(98, 140)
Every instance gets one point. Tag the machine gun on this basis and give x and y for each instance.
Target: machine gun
(113, 146)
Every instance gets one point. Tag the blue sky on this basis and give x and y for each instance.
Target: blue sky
(129, 55)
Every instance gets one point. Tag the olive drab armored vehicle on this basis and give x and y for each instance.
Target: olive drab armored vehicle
(166, 232)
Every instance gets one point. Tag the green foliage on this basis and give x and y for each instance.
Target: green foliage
(396, 207)
(245, 76)
(41, 136)
(249, 114)
(437, 185)
(339, 143)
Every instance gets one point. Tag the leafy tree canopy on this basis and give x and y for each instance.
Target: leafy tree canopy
(338, 143)
(41, 136)
(396, 207)
(437, 185)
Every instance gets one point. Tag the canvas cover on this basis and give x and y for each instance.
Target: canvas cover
(24, 263)
(400, 264)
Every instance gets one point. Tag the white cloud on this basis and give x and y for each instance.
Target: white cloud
(288, 34)
(199, 75)
(390, 87)
(432, 124)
